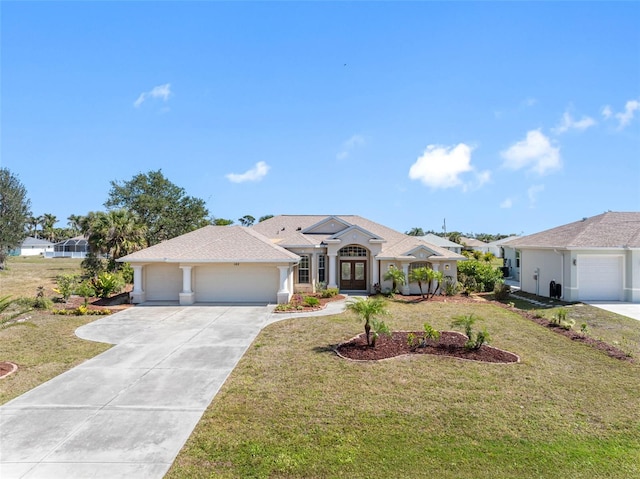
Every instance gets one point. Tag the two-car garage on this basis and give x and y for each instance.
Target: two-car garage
(214, 283)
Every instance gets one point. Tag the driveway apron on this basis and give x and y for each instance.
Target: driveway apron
(127, 412)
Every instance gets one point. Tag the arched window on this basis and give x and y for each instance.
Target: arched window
(353, 251)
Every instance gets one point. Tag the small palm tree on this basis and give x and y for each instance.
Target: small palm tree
(436, 276)
(420, 275)
(367, 310)
(396, 276)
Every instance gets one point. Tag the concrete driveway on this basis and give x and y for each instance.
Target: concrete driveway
(630, 310)
(127, 412)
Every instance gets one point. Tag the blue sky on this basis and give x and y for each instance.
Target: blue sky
(503, 117)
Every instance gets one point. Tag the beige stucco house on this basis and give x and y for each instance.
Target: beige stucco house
(272, 260)
(595, 259)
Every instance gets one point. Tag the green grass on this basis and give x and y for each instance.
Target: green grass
(43, 348)
(292, 408)
(23, 274)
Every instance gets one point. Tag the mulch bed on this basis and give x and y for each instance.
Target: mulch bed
(451, 343)
(7, 368)
(114, 303)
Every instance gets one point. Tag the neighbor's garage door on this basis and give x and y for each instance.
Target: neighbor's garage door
(163, 282)
(245, 283)
(600, 278)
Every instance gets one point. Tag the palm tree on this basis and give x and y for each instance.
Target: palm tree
(396, 276)
(115, 233)
(47, 221)
(437, 276)
(420, 275)
(74, 223)
(367, 310)
(415, 231)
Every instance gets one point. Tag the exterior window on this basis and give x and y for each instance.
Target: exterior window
(322, 260)
(357, 251)
(517, 259)
(303, 269)
(413, 266)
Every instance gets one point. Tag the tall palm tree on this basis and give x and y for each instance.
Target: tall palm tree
(48, 221)
(367, 310)
(74, 223)
(115, 233)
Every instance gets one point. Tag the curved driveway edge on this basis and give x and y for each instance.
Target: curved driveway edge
(127, 412)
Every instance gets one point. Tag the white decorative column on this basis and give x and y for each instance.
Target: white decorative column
(406, 289)
(375, 274)
(436, 267)
(333, 268)
(284, 295)
(186, 296)
(137, 296)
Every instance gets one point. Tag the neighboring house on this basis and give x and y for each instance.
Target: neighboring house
(474, 244)
(442, 242)
(77, 247)
(510, 256)
(33, 247)
(595, 259)
(278, 257)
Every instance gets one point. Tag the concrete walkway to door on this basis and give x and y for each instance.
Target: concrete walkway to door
(127, 412)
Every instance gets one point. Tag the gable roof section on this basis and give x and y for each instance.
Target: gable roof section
(608, 230)
(472, 242)
(286, 231)
(215, 244)
(502, 241)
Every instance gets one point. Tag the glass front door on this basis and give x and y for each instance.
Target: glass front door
(353, 275)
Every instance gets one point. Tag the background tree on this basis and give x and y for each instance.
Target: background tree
(247, 220)
(415, 232)
(115, 233)
(164, 208)
(73, 224)
(48, 231)
(455, 237)
(14, 213)
(264, 218)
(221, 222)
(32, 226)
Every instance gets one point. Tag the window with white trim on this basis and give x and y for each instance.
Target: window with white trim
(322, 261)
(303, 269)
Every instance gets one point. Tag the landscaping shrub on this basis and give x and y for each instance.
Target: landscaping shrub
(107, 284)
(329, 292)
(501, 291)
(479, 275)
(475, 340)
(66, 285)
(311, 301)
(86, 290)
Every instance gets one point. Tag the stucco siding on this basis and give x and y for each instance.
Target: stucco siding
(538, 268)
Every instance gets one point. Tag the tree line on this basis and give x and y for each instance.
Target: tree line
(140, 212)
(455, 236)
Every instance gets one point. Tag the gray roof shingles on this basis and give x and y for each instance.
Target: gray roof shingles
(608, 230)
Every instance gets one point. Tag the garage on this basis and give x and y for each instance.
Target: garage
(236, 283)
(600, 277)
(163, 282)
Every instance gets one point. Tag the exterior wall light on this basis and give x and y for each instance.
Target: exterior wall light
(575, 262)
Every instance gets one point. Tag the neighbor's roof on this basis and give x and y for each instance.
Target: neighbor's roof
(472, 242)
(291, 231)
(503, 240)
(215, 244)
(31, 242)
(439, 241)
(608, 230)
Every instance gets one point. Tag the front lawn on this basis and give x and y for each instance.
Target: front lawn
(292, 408)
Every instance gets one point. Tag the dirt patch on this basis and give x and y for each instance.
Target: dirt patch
(451, 343)
(114, 303)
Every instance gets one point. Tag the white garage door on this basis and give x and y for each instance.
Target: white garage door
(245, 283)
(600, 278)
(163, 282)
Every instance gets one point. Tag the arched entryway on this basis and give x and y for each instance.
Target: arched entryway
(354, 267)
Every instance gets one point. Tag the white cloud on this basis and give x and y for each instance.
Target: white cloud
(507, 203)
(627, 115)
(256, 173)
(568, 123)
(533, 193)
(607, 112)
(161, 91)
(535, 152)
(442, 166)
(348, 146)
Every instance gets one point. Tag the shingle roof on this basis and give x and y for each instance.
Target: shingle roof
(31, 242)
(608, 230)
(288, 230)
(472, 242)
(215, 244)
(439, 241)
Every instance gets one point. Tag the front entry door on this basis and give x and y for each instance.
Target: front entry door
(353, 275)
